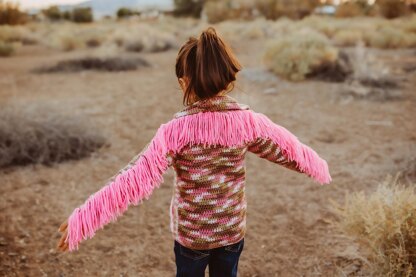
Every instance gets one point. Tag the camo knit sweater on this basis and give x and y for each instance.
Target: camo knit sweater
(205, 143)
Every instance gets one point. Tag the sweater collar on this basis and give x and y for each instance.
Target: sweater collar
(212, 104)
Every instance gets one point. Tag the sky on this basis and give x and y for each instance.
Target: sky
(43, 3)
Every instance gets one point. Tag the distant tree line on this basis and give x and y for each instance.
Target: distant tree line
(78, 15)
(218, 10)
(11, 14)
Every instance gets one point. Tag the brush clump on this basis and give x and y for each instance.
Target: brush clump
(384, 224)
(300, 54)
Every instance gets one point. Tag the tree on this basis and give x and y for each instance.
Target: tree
(188, 7)
(392, 8)
(52, 13)
(82, 15)
(11, 14)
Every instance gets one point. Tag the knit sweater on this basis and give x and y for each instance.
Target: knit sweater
(205, 143)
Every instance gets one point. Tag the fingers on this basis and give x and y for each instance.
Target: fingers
(63, 226)
(65, 248)
(61, 242)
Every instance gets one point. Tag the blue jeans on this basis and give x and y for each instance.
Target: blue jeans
(222, 261)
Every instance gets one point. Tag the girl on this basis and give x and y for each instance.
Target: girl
(205, 143)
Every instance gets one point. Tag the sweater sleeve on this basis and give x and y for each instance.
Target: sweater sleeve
(131, 185)
(267, 149)
(277, 144)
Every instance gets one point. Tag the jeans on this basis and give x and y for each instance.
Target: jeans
(222, 261)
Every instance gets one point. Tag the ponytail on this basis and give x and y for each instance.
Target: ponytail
(208, 64)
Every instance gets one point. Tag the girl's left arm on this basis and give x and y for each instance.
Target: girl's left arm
(130, 185)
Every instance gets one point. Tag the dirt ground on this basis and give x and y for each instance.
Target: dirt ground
(289, 231)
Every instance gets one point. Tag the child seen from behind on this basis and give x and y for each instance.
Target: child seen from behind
(205, 143)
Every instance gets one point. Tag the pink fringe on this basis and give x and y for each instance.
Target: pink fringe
(234, 128)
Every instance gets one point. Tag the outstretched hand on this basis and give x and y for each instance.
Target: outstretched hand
(62, 245)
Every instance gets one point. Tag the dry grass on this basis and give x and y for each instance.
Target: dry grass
(299, 54)
(112, 64)
(6, 49)
(34, 134)
(348, 37)
(384, 224)
(371, 78)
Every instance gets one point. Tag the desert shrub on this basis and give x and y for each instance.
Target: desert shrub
(6, 49)
(53, 13)
(295, 9)
(33, 135)
(188, 7)
(347, 37)
(407, 24)
(93, 63)
(390, 37)
(143, 37)
(296, 55)
(327, 26)
(351, 9)
(392, 8)
(384, 224)
(11, 14)
(371, 78)
(329, 71)
(20, 34)
(69, 43)
(82, 15)
(217, 11)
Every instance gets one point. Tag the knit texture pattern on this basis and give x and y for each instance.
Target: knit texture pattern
(206, 144)
(208, 207)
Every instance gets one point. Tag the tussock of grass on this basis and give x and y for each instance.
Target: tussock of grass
(141, 37)
(92, 63)
(371, 78)
(33, 135)
(300, 54)
(384, 224)
(6, 49)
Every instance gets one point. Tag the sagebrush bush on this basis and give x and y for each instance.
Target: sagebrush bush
(390, 37)
(32, 134)
(20, 34)
(371, 78)
(295, 9)
(110, 64)
(6, 49)
(384, 224)
(142, 37)
(348, 37)
(217, 11)
(298, 54)
(350, 9)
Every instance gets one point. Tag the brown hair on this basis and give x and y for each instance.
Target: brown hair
(208, 64)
